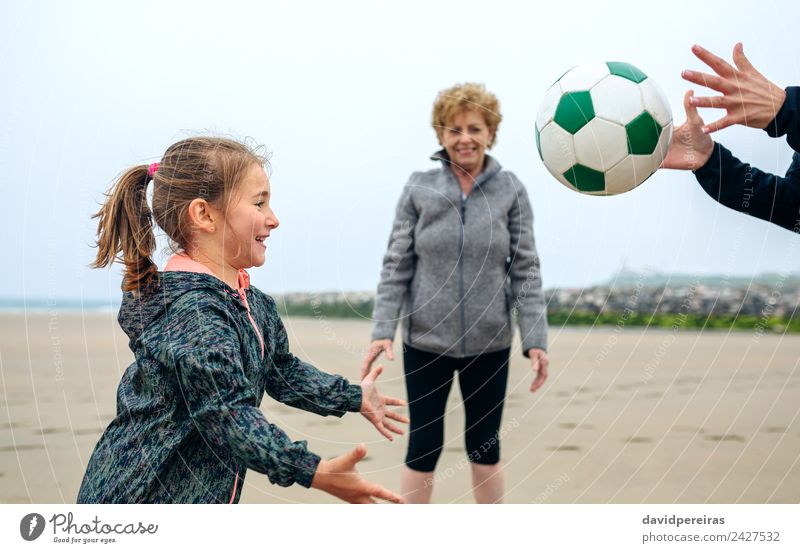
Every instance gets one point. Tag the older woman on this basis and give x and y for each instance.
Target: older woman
(461, 259)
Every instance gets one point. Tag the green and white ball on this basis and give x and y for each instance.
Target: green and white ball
(603, 128)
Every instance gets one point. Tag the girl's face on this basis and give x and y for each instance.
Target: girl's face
(248, 221)
(465, 140)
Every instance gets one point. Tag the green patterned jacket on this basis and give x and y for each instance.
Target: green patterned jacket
(188, 422)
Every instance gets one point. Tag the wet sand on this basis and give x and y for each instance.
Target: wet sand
(627, 416)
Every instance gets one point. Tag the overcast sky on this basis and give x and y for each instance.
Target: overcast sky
(341, 94)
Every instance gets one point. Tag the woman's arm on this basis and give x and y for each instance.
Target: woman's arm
(525, 274)
(203, 346)
(398, 268)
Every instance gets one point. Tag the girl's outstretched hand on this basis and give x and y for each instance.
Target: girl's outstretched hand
(374, 406)
(748, 97)
(340, 478)
(689, 148)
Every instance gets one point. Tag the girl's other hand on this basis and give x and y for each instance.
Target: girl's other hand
(374, 406)
(340, 478)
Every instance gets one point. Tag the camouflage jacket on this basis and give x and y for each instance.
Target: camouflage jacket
(188, 421)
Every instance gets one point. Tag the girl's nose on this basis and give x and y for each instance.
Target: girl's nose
(272, 220)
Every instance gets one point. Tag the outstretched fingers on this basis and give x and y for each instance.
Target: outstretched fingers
(719, 102)
(393, 400)
(704, 79)
(384, 431)
(741, 61)
(388, 495)
(691, 110)
(396, 416)
(719, 124)
(393, 428)
(719, 65)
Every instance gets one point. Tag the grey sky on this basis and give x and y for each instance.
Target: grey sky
(341, 95)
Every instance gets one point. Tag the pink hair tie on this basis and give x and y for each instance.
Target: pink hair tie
(152, 169)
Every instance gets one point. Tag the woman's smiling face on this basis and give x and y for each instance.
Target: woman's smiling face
(248, 221)
(465, 138)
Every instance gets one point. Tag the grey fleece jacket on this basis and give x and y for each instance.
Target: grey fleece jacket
(456, 268)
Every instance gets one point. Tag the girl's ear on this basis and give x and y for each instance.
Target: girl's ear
(202, 216)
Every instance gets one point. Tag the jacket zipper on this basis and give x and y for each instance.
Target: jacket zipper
(461, 274)
(261, 342)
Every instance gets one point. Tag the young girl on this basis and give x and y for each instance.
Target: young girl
(208, 345)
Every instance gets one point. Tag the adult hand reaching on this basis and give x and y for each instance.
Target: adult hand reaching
(373, 406)
(748, 97)
(340, 478)
(375, 349)
(689, 147)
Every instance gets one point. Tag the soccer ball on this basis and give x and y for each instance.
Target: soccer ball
(603, 128)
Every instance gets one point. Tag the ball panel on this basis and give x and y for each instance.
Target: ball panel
(548, 108)
(585, 179)
(617, 99)
(629, 173)
(655, 102)
(626, 70)
(558, 150)
(660, 151)
(574, 111)
(643, 134)
(583, 77)
(601, 144)
(538, 142)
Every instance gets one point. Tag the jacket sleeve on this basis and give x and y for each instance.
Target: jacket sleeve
(399, 263)
(299, 384)
(203, 346)
(749, 190)
(525, 273)
(787, 120)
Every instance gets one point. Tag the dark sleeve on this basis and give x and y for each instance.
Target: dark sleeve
(399, 263)
(299, 384)
(745, 188)
(525, 273)
(787, 120)
(202, 344)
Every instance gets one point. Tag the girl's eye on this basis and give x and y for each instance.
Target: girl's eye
(259, 204)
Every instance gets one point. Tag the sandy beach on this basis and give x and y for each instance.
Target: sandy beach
(627, 416)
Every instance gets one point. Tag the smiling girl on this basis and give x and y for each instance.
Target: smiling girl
(208, 345)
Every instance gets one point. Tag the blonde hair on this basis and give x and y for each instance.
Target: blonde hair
(203, 167)
(463, 97)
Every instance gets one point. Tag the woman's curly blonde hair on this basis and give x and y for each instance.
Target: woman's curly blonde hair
(466, 96)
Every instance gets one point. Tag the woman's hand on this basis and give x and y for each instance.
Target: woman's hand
(373, 406)
(748, 97)
(340, 478)
(539, 364)
(375, 349)
(689, 147)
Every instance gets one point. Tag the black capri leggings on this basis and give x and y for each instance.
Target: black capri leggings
(482, 380)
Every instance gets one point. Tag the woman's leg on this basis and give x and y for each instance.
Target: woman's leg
(428, 380)
(415, 486)
(488, 483)
(483, 381)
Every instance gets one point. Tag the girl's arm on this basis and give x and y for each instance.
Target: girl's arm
(202, 344)
(299, 384)
(745, 188)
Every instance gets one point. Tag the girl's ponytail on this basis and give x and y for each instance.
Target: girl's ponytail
(125, 229)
